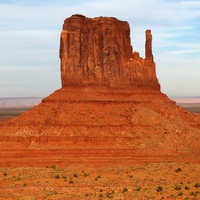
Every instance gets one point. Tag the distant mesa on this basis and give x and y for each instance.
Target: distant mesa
(19, 102)
(98, 51)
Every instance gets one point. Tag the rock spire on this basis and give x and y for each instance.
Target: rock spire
(148, 46)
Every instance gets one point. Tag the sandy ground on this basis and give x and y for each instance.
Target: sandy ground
(140, 181)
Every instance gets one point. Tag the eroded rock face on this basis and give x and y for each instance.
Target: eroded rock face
(98, 51)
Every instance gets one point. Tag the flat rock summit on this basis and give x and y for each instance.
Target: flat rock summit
(109, 110)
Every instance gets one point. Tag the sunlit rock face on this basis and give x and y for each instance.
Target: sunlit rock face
(98, 51)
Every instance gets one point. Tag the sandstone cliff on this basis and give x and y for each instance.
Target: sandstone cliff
(98, 51)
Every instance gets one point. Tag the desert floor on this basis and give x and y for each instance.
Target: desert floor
(140, 181)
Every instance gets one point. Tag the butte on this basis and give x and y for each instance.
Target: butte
(109, 110)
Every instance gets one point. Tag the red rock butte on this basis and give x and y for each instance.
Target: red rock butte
(98, 52)
(109, 110)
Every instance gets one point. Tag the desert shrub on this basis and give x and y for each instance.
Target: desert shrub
(57, 176)
(177, 187)
(178, 170)
(55, 192)
(85, 174)
(5, 174)
(18, 178)
(187, 187)
(159, 189)
(180, 194)
(138, 189)
(193, 194)
(131, 176)
(53, 166)
(100, 195)
(197, 185)
(98, 176)
(108, 194)
(71, 181)
(75, 175)
(125, 190)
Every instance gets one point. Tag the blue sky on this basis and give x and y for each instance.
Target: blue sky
(30, 36)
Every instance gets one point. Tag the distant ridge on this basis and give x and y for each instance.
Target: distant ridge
(186, 99)
(18, 102)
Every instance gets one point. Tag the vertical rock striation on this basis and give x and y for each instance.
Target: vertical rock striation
(98, 51)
